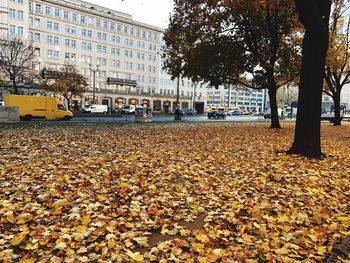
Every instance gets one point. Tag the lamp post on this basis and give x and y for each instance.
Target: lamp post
(94, 70)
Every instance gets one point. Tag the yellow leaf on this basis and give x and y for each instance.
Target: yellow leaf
(184, 232)
(282, 218)
(61, 246)
(321, 250)
(135, 256)
(27, 260)
(81, 229)
(202, 238)
(313, 238)
(30, 246)
(282, 251)
(10, 217)
(86, 220)
(198, 247)
(142, 241)
(111, 243)
(60, 203)
(257, 225)
(18, 239)
(344, 218)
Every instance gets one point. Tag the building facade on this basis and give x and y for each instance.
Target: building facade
(119, 56)
(235, 97)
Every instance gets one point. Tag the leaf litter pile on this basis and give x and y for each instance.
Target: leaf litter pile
(170, 193)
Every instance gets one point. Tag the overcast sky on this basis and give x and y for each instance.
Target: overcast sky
(153, 12)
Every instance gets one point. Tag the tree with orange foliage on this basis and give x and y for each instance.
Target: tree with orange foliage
(67, 82)
(337, 73)
(235, 42)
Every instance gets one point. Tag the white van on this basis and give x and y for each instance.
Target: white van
(95, 108)
(129, 109)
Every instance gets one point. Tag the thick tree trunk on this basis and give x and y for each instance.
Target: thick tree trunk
(314, 15)
(337, 118)
(275, 123)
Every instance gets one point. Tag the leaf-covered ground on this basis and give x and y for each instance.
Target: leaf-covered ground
(170, 193)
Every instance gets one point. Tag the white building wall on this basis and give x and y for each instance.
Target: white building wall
(245, 100)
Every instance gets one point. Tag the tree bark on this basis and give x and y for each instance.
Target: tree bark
(336, 100)
(15, 88)
(275, 123)
(314, 15)
(272, 88)
(68, 102)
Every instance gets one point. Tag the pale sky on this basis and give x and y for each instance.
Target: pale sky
(152, 12)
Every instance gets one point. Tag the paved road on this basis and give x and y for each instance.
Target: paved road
(166, 118)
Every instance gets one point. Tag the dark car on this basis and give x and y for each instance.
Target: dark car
(216, 114)
(190, 112)
(234, 113)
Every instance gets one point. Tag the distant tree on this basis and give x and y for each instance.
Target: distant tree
(16, 60)
(337, 73)
(314, 15)
(67, 82)
(251, 43)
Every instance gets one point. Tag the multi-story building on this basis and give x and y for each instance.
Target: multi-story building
(120, 54)
(245, 100)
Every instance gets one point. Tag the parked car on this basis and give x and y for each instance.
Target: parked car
(129, 109)
(181, 112)
(95, 108)
(267, 114)
(190, 112)
(216, 114)
(234, 113)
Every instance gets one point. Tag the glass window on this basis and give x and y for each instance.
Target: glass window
(38, 8)
(66, 15)
(12, 29)
(57, 12)
(48, 10)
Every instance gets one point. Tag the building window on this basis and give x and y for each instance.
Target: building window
(12, 13)
(12, 29)
(75, 17)
(48, 10)
(98, 22)
(66, 15)
(38, 8)
(57, 12)
(55, 26)
(83, 19)
(37, 37)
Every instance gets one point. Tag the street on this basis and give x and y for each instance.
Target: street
(165, 118)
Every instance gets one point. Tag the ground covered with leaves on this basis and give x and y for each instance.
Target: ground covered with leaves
(170, 193)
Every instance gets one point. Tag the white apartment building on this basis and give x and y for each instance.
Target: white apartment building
(123, 53)
(235, 97)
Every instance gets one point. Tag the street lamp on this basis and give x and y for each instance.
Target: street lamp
(94, 70)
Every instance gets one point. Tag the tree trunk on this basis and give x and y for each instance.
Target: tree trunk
(314, 15)
(336, 100)
(275, 123)
(68, 102)
(15, 88)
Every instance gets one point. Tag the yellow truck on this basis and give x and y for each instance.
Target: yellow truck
(38, 107)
